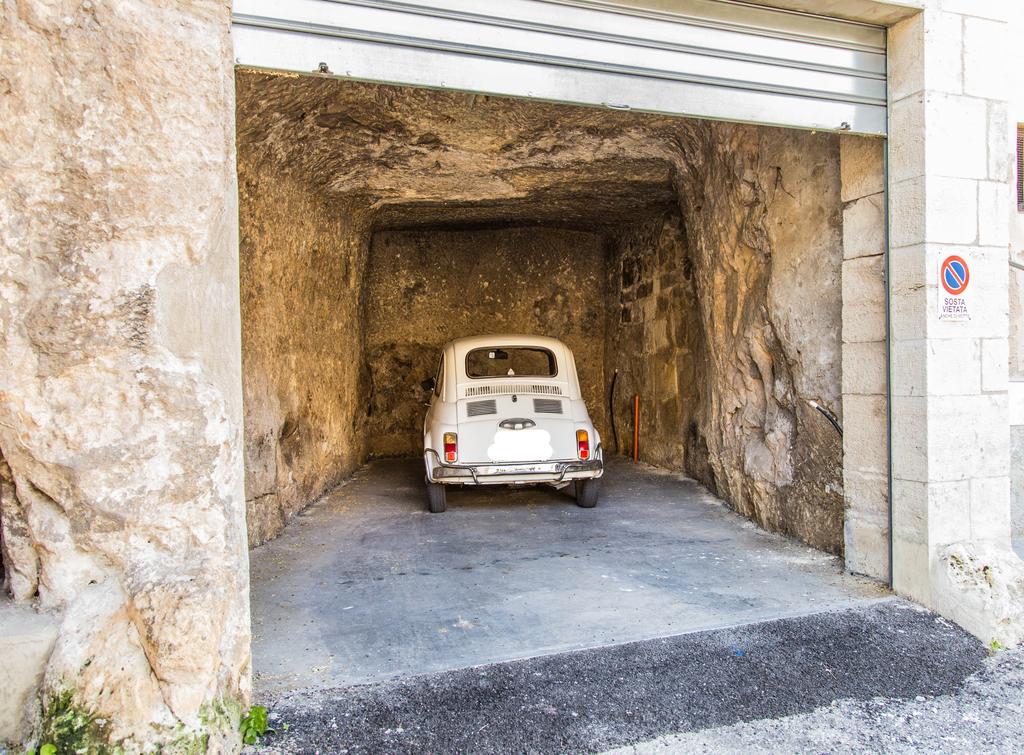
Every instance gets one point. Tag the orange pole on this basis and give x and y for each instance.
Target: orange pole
(636, 427)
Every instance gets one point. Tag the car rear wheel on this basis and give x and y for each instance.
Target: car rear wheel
(587, 492)
(436, 497)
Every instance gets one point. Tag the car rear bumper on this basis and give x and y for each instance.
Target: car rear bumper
(511, 473)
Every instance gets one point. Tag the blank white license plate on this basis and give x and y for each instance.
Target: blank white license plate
(533, 444)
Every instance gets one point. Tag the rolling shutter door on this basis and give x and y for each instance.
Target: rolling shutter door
(704, 58)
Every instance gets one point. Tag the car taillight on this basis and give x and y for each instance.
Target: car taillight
(583, 444)
(451, 447)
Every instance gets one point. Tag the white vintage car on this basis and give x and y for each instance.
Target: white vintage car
(507, 410)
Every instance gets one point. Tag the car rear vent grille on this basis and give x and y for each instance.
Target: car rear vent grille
(480, 408)
(512, 389)
(547, 406)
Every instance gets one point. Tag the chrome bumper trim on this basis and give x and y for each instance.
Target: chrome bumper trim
(554, 471)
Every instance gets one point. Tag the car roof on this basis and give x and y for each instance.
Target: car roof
(506, 339)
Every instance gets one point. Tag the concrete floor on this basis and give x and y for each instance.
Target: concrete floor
(365, 585)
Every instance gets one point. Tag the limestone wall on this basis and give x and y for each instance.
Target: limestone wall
(865, 446)
(762, 217)
(654, 342)
(305, 375)
(948, 192)
(724, 316)
(120, 402)
(425, 287)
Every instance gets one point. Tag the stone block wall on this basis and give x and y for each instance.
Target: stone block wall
(951, 441)
(724, 316)
(653, 342)
(865, 451)
(425, 287)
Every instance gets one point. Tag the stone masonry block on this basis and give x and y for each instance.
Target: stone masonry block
(953, 125)
(861, 166)
(908, 285)
(951, 213)
(1001, 144)
(1017, 481)
(994, 359)
(1017, 253)
(906, 57)
(985, 66)
(864, 227)
(934, 210)
(907, 131)
(1016, 398)
(864, 434)
(990, 509)
(953, 366)
(864, 368)
(984, 8)
(866, 493)
(910, 510)
(909, 367)
(866, 542)
(993, 225)
(863, 300)
(944, 51)
(910, 438)
(967, 437)
(948, 512)
(907, 212)
(926, 53)
(910, 569)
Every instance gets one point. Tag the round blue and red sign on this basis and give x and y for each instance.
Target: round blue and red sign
(955, 275)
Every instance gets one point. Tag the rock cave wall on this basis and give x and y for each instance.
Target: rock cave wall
(764, 226)
(425, 287)
(302, 265)
(729, 237)
(654, 339)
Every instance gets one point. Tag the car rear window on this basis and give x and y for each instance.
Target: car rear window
(510, 361)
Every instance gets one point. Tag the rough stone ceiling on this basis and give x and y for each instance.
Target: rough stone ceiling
(424, 158)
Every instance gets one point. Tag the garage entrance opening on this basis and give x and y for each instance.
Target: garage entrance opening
(698, 261)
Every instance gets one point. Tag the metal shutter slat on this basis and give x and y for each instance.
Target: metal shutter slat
(719, 60)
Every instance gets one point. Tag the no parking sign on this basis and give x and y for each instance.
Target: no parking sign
(954, 288)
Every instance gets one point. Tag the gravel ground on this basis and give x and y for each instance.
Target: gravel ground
(885, 677)
(985, 716)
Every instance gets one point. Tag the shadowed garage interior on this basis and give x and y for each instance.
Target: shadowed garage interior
(697, 260)
(700, 260)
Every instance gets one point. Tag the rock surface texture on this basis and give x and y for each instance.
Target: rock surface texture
(426, 287)
(719, 247)
(121, 495)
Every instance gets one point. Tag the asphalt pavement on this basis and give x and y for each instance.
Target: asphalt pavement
(814, 683)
